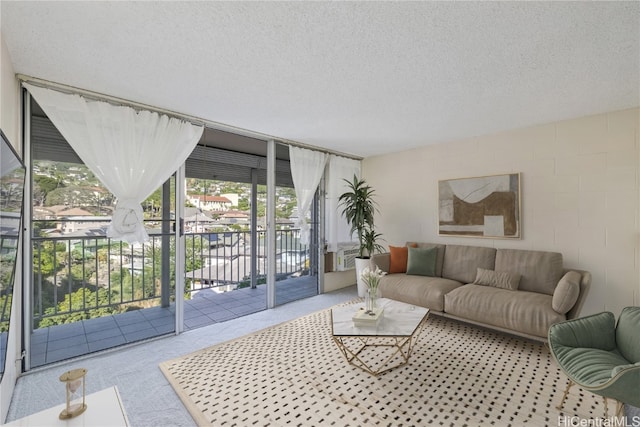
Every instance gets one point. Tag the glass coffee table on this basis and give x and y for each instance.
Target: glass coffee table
(380, 347)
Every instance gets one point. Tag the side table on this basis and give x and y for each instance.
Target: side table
(104, 408)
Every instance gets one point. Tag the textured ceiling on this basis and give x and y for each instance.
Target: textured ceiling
(362, 78)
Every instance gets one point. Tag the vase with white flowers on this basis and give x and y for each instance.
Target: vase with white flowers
(371, 278)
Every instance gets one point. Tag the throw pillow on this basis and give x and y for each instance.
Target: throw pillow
(398, 259)
(566, 293)
(422, 261)
(497, 279)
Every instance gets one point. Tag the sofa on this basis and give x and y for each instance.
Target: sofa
(521, 292)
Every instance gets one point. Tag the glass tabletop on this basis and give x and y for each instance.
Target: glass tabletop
(399, 319)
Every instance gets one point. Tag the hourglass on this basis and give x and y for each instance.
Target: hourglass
(75, 390)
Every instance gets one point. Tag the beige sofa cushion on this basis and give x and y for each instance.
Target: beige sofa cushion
(424, 291)
(522, 311)
(439, 258)
(382, 261)
(461, 263)
(540, 270)
(567, 292)
(497, 279)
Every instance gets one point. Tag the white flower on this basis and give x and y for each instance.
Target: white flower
(372, 278)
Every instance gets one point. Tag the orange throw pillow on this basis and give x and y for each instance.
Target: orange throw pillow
(399, 256)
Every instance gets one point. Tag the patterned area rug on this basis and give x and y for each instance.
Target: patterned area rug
(294, 374)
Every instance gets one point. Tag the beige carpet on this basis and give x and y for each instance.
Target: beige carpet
(293, 374)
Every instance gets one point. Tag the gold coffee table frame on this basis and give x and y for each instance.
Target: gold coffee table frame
(395, 334)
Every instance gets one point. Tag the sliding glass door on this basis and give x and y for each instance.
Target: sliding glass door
(88, 292)
(225, 226)
(296, 262)
(211, 237)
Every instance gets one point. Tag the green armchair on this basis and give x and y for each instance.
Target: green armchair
(600, 356)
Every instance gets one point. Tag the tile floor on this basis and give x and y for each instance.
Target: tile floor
(61, 342)
(148, 398)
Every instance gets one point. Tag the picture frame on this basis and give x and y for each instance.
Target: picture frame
(482, 207)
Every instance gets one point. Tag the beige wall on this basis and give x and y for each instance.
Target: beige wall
(339, 279)
(579, 195)
(9, 98)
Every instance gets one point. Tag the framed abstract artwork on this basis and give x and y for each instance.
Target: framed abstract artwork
(485, 206)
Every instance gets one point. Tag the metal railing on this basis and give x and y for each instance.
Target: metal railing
(84, 276)
(225, 258)
(8, 254)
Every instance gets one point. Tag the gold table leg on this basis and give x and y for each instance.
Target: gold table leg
(402, 347)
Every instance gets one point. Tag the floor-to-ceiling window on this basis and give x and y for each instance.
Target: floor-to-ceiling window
(225, 227)
(89, 293)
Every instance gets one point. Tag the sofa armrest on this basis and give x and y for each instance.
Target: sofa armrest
(382, 261)
(595, 331)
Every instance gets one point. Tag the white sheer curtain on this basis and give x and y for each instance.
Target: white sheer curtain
(337, 230)
(131, 152)
(307, 167)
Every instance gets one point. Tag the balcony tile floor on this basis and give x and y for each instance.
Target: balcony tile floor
(56, 343)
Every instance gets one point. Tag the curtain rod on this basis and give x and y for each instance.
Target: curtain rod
(96, 96)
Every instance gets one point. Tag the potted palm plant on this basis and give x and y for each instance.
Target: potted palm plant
(359, 208)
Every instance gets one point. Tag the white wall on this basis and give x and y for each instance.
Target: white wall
(335, 280)
(9, 98)
(10, 125)
(580, 195)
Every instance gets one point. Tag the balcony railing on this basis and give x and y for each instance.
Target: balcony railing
(8, 253)
(87, 275)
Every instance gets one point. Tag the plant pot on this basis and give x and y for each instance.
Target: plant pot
(361, 263)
